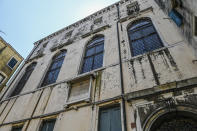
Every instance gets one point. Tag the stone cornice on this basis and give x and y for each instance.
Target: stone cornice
(76, 24)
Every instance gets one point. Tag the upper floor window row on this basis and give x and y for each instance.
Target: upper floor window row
(143, 37)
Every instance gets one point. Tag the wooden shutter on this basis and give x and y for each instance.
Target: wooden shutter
(110, 119)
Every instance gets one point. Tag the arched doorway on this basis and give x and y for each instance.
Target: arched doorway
(175, 121)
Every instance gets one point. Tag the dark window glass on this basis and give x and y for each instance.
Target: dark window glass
(54, 69)
(110, 120)
(2, 77)
(143, 37)
(17, 128)
(12, 63)
(94, 55)
(24, 79)
(48, 125)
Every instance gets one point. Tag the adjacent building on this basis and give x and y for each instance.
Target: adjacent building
(184, 14)
(10, 59)
(126, 67)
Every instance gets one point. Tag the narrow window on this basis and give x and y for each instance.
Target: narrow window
(24, 79)
(48, 125)
(143, 37)
(54, 69)
(109, 119)
(195, 24)
(93, 58)
(12, 62)
(2, 77)
(17, 128)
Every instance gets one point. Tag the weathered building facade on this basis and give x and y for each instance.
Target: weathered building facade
(184, 14)
(123, 68)
(10, 59)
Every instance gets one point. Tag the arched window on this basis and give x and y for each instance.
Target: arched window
(24, 79)
(93, 58)
(54, 69)
(143, 37)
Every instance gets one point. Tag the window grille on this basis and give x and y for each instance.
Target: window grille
(143, 37)
(23, 80)
(93, 58)
(54, 69)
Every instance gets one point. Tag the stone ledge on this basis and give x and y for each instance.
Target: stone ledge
(168, 87)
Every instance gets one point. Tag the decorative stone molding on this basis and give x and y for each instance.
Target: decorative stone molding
(133, 8)
(96, 31)
(169, 104)
(91, 17)
(39, 52)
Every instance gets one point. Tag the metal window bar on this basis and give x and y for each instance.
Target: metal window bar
(54, 68)
(146, 38)
(23, 80)
(94, 45)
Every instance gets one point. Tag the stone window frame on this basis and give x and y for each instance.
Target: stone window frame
(43, 84)
(85, 50)
(9, 62)
(156, 32)
(76, 80)
(111, 104)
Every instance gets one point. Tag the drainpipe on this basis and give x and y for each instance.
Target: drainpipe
(121, 73)
(18, 71)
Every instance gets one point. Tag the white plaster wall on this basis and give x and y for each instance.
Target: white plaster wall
(75, 120)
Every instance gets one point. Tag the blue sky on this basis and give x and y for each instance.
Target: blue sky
(27, 21)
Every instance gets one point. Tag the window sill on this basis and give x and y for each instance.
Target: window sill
(91, 73)
(147, 53)
(85, 100)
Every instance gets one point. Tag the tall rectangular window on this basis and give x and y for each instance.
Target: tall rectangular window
(48, 125)
(110, 119)
(12, 62)
(23, 80)
(54, 69)
(93, 58)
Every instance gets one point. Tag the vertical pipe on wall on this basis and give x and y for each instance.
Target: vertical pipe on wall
(121, 73)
